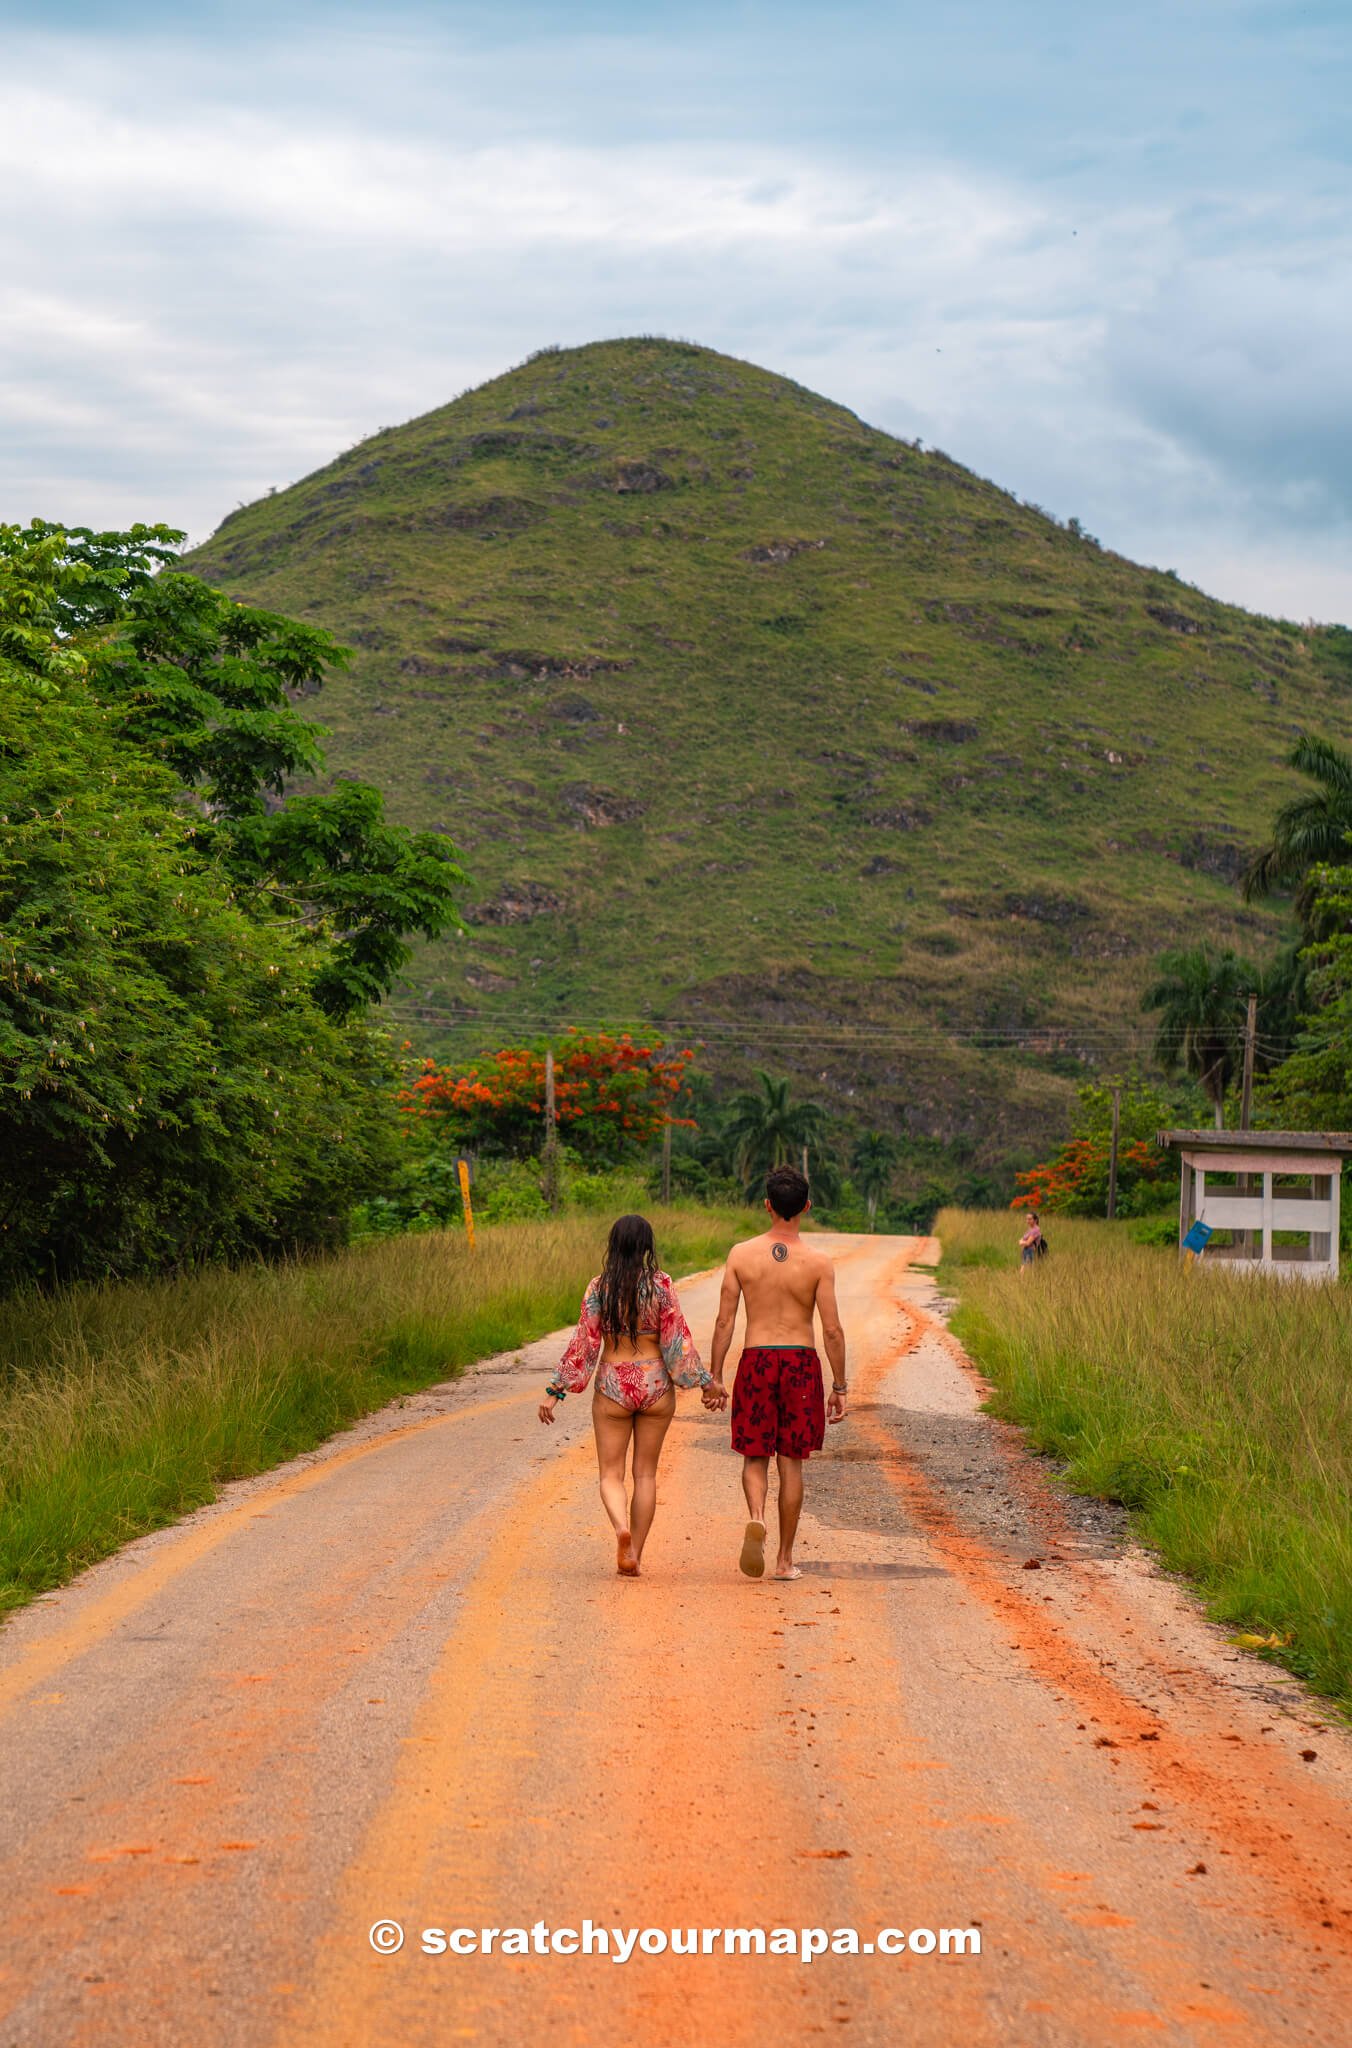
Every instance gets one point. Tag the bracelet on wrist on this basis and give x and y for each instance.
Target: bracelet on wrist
(839, 1387)
(557, 1393)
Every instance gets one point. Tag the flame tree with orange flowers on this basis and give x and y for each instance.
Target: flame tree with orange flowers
(1075, 1181)
(613, 1095)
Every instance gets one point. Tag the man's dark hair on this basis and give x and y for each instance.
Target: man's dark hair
(786, 1191)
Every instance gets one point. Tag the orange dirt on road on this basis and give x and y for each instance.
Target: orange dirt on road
(400, 1681)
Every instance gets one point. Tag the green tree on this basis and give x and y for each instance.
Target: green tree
(185, 1070)
(208, 688)
(1074, 1181)
(1202, 999)
(1284, 996)
(765, 1128)
(701, 1163)
(1309, 830)
(875, 1158)
(1312, 1088)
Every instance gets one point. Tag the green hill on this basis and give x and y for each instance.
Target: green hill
(758, 724)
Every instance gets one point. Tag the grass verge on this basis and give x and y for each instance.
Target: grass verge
(1217, 1407)
(123, 1406)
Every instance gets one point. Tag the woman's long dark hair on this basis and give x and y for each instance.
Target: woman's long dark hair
(628, 1276)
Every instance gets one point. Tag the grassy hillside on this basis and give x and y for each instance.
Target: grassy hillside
(754, 721)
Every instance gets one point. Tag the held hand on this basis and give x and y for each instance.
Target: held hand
(837, 1407)
(714, 1396)
(546, 1410)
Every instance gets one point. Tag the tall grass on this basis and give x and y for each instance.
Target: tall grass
(1217, 1406)
(124, 1405)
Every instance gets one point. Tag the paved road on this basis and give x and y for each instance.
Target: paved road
(399, 1679)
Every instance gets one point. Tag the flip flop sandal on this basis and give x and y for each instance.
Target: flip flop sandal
(752, 1560)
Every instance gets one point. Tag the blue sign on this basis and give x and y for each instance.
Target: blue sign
(1196, 1239)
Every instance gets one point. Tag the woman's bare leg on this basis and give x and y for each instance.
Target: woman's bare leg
(650, 1429)
(614, 1426)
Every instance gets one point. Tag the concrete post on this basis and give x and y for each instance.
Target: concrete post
(1335, 1195)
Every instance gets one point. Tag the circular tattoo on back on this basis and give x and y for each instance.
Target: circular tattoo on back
(779, 1251)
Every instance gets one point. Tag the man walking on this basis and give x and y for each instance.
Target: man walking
(777, 1405)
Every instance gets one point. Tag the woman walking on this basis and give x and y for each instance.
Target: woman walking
(631, 1323)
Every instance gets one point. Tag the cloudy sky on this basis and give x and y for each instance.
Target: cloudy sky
(1102, 255)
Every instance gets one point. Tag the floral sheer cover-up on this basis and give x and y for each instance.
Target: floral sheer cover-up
(635, 1382)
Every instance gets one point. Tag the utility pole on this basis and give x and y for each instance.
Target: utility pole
(1112, 1156)
(666, 1160)
(550, 1177)
(1250, 1041)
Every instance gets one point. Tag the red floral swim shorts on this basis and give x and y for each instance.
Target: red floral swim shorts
(778, 1405)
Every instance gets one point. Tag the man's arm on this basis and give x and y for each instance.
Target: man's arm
(725, 1322)
(833, 1335)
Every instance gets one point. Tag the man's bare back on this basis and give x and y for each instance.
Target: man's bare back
(783, 1279)
(780, 1284)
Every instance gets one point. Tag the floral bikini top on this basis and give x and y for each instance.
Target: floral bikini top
(659, 1315)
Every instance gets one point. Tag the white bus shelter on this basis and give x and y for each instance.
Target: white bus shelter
(1272, 1197)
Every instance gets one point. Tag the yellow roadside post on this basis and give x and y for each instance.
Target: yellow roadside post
(462, 1167)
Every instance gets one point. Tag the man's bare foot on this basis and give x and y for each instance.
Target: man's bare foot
(752, 1560)
(786, 1571)
(626, 1564)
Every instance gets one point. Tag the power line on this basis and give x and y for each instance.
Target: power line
(1045, 1040)
(1049, 1041)
(724, 1027)
(846, 1034)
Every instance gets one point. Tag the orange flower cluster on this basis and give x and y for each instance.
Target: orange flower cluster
(1077, 1179)
(611, 1095)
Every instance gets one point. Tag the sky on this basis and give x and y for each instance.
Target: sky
(1102, 256)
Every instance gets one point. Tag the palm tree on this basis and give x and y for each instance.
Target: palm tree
(1202, 998)
(1311, 829)
(875, 1155)
(763, 1128)
(1284, 997)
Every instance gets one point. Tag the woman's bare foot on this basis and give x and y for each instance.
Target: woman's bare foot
(626, 1564)
(786, 1571)
(752, 1560)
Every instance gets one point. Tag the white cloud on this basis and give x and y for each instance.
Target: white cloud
(212, 291)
